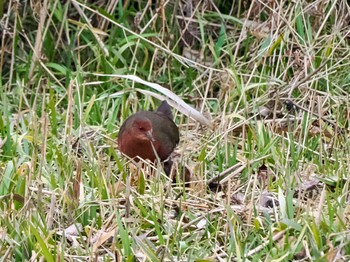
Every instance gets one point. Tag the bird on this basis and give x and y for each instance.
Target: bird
(149, 134)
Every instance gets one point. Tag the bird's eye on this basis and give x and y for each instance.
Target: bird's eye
(142, 129)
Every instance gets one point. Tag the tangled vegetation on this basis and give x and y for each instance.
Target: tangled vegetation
(268, 151)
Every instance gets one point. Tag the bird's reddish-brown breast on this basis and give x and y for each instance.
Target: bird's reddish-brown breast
(145, 133)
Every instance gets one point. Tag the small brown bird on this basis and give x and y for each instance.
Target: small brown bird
(146, 132)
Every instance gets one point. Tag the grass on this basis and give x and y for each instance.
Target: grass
(273, 79)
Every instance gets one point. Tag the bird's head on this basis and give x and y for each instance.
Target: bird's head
(142, 129)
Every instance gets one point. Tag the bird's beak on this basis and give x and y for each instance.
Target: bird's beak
(150, 136)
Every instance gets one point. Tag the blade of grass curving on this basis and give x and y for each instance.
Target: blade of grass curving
(175, 101)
